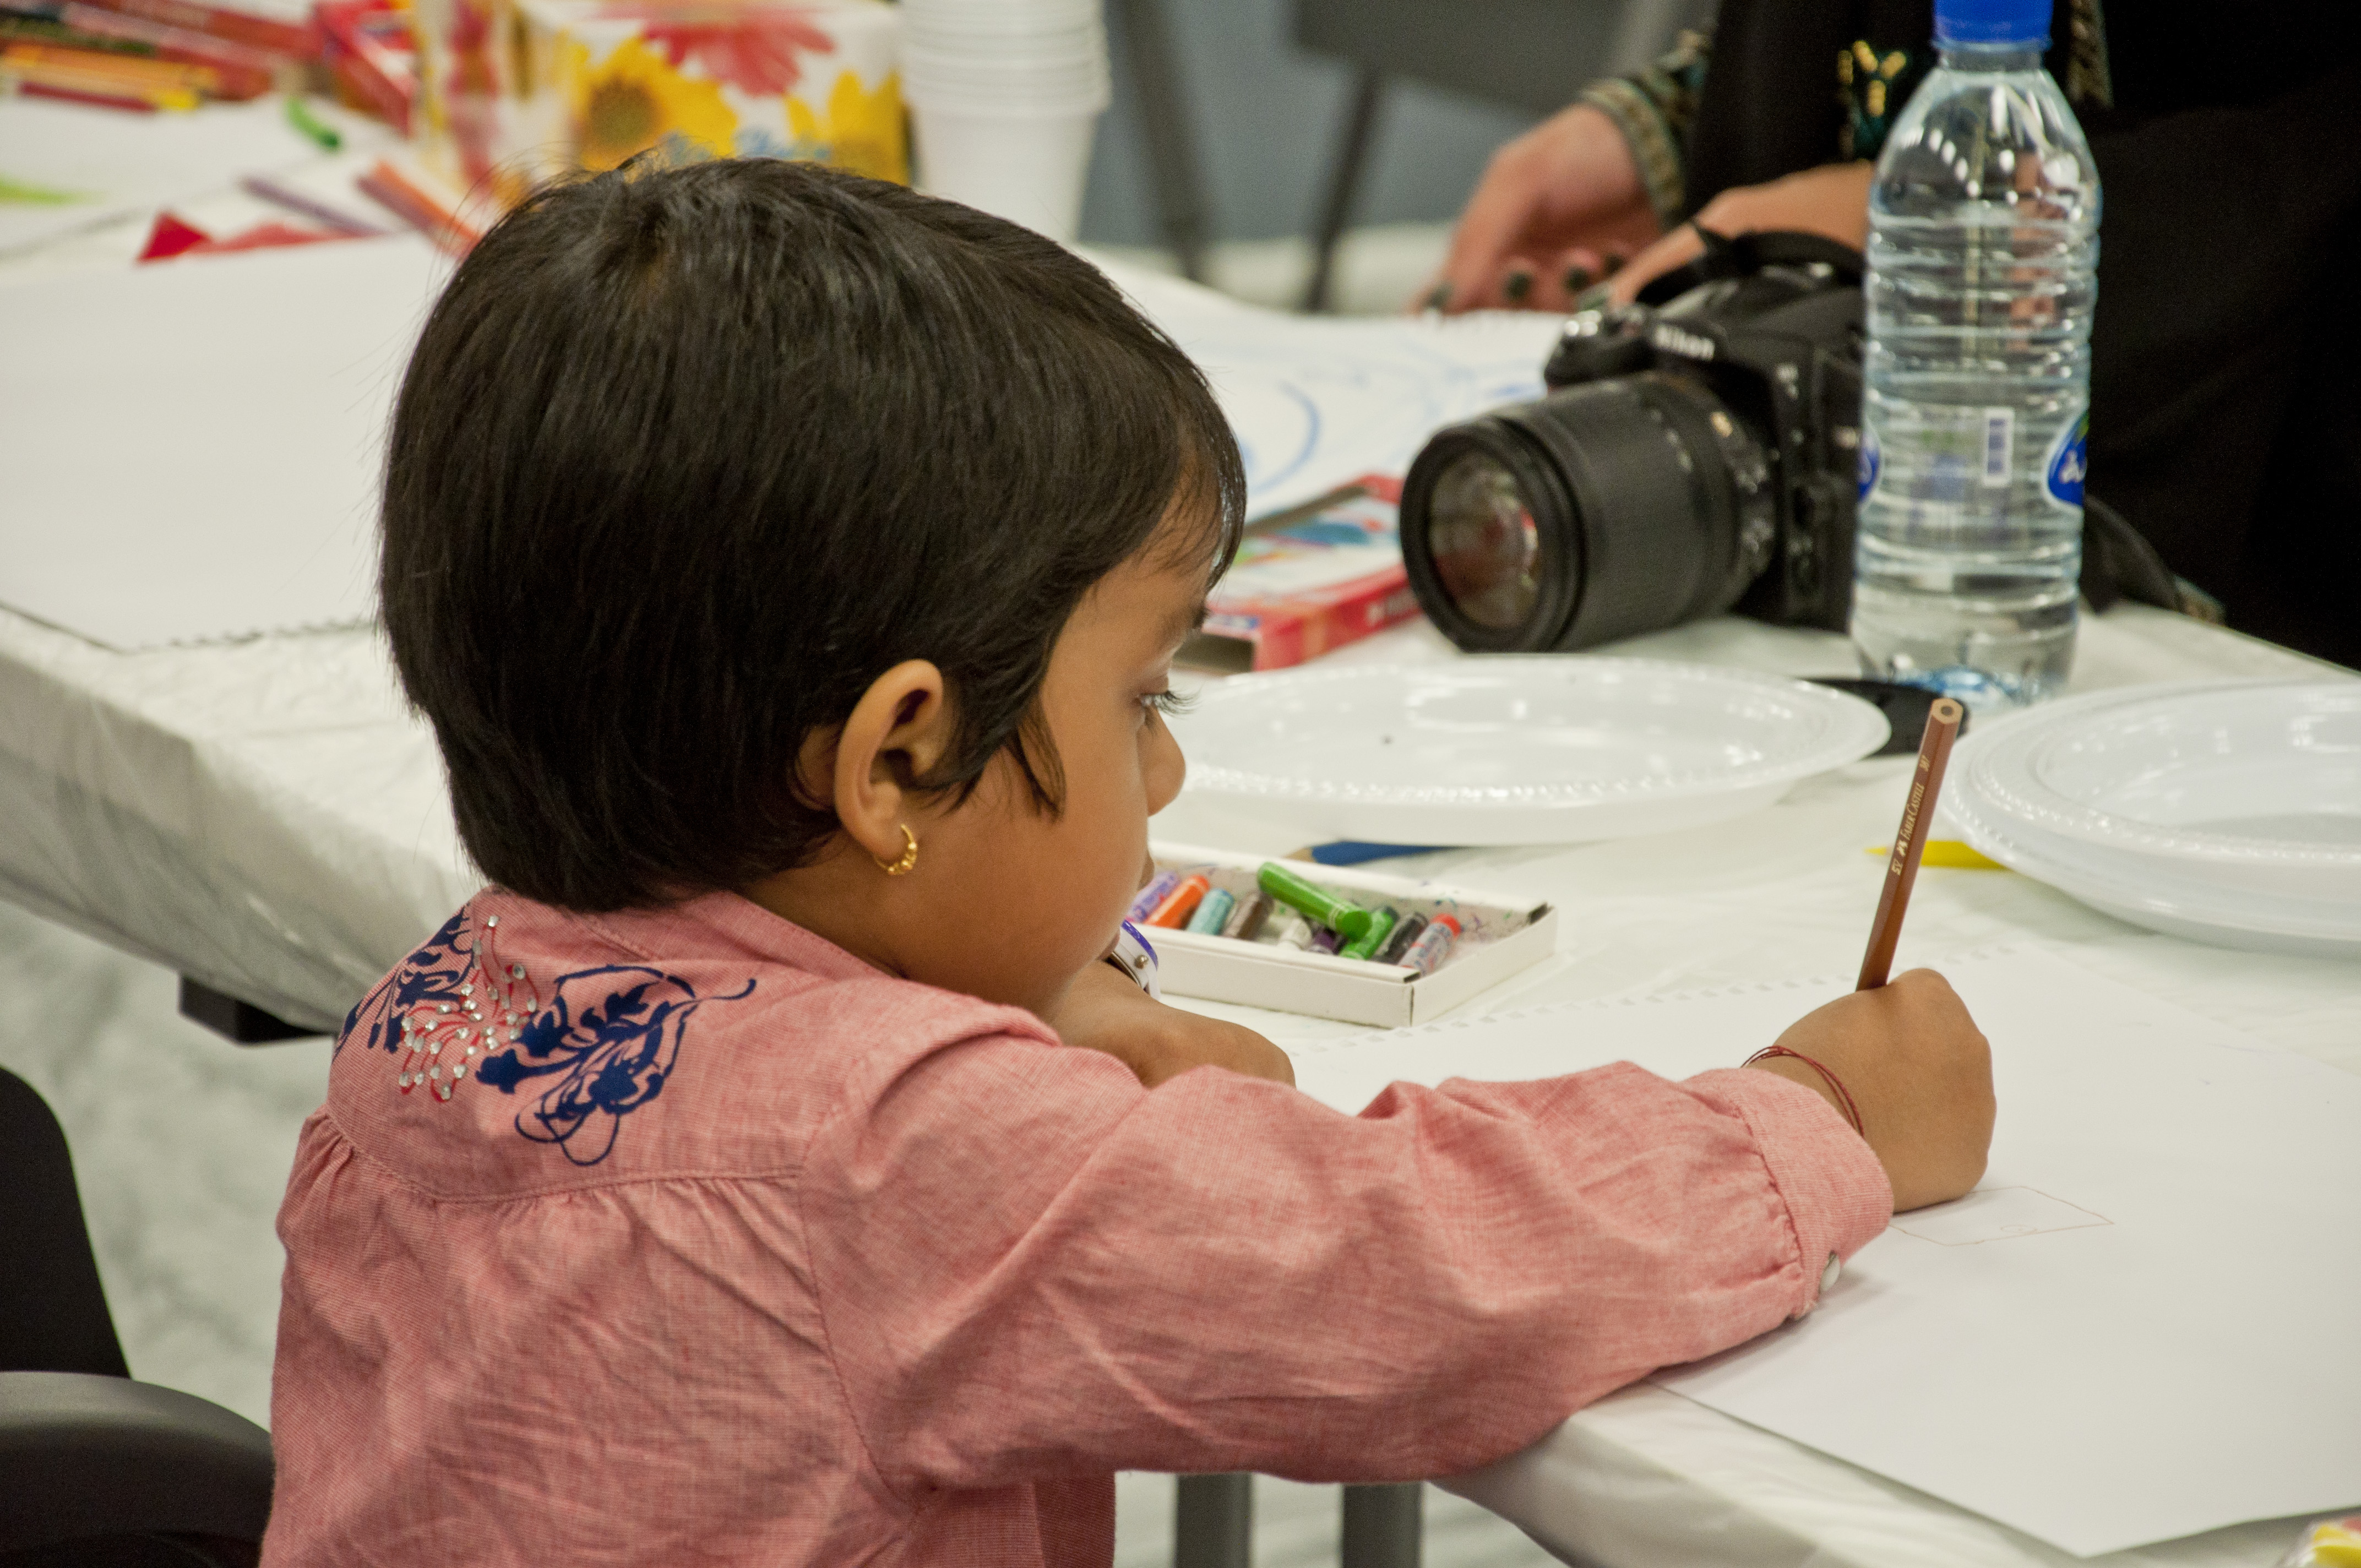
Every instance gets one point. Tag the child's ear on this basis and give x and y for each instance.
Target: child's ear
(897, 734)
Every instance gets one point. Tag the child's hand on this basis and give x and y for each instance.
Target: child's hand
(1920, 1074)
(1105, 1012)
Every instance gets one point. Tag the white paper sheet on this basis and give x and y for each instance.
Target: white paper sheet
(2146, 1322)
(194, 445)
(1317, 401)
(112, 162)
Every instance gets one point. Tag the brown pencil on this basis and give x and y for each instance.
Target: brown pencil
(1910, 840)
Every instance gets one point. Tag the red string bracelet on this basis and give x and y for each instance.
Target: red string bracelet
(1852, 1112)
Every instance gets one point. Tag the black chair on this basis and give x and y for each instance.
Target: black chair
(97, 1470)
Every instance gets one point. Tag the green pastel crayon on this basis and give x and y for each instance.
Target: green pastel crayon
(1349, 921)
(1365, 946)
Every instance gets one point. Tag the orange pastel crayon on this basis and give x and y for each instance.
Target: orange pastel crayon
(1181, 902)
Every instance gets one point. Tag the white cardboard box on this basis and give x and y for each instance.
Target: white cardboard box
(1497, 939)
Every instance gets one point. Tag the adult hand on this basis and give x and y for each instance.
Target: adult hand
(1831, 200)
(1556, 210)
(1919, 1073)
(1104, 1011)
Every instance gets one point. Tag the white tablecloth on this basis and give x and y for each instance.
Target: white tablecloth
(1646, 1477)
(267, 817)
(264, 817)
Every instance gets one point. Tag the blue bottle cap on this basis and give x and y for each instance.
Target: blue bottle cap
(1989, 22)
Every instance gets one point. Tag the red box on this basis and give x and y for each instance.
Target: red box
(1309, 581)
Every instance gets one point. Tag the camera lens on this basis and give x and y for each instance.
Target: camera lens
(1485, 545)
(1599, 512)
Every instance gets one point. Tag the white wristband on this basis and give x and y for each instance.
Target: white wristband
(1135, 958)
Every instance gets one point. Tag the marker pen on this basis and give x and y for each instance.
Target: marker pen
(1296, 934)
(1213, 912)
(1325, 939)
(1350, 920)
(310, 127)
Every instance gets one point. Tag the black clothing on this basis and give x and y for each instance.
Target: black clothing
(2225, 421)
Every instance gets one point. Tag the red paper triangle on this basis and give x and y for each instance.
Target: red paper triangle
(171, 236)
(263, 236)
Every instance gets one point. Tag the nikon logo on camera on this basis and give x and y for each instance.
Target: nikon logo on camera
(1670, 339)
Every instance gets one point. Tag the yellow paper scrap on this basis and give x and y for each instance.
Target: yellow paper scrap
(1946, 852)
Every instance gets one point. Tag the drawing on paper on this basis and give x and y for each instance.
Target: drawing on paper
(1996, 1214)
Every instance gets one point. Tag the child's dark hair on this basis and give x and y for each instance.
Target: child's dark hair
(686, 458)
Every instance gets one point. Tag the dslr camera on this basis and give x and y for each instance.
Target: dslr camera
(1696, 452)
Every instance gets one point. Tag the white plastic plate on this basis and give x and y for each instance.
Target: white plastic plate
(1516, 750)
(2219, 917)
(2249, 786)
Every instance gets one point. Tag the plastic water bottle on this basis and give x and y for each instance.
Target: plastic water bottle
(1983, 246)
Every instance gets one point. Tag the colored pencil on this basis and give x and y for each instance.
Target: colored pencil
(1910, 840)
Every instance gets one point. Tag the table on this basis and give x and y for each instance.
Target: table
(267, 817)
(1645, 1476)
(263, 817)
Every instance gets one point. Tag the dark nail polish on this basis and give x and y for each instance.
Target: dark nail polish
(1439, 297)
(1516, 286)
(1577, 279)
(1615, 264)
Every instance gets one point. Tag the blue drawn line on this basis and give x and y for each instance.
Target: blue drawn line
(1311, 440)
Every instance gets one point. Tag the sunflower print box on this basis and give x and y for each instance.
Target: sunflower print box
(515, 92)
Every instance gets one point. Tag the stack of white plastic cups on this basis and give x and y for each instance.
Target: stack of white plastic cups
(1004, 95)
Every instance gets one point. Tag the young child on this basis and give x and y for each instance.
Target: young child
(764, 1168)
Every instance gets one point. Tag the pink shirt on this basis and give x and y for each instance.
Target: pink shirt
(700, 1242)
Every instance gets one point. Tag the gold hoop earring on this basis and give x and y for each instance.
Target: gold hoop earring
(909, 861)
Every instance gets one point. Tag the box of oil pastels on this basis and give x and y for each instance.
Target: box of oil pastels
(1405, 950)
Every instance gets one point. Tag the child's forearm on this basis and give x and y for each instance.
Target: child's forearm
(1104, 1011)
(1224, 1275)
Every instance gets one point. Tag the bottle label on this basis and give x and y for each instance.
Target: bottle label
(2063, 475)
(2000, 448)
(1871, 461)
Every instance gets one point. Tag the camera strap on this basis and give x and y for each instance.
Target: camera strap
(1736, 256)
(2118, 562)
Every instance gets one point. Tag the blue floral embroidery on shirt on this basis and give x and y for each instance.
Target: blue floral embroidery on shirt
(609, 1058)
(432, 974)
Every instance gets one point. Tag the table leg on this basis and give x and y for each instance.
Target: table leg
(1382, 1527)
(241, 1022)
(1212, 1526)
